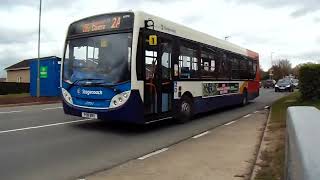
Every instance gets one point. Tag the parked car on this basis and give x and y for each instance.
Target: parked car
(268, 83)
(284, 85)
(295, 83)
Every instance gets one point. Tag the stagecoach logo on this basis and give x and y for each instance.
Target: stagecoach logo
(88, 92)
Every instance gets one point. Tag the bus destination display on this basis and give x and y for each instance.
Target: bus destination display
(102, 23)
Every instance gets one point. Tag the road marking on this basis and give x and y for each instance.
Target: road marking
(202, 134)
(52, 108)
(9, 112)
(248, 115)
(153, 153)
(256, 112)
(266, 107)
(47, 125)
(227, 124)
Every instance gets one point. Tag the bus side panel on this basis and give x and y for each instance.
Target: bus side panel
(253, 89)
(208, 104)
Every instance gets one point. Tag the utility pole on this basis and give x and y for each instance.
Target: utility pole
(271, 70)
(38, 63)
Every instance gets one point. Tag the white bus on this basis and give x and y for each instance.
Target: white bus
(139, 68)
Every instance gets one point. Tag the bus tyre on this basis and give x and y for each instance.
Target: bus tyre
(185, 110)
(244, 98)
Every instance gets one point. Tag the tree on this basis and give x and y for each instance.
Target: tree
(295, 70)
(264, 75)
(281, 68)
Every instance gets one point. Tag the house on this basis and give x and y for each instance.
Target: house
(19, 72)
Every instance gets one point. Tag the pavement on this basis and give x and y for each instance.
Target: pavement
(41, 142)
(225, 153)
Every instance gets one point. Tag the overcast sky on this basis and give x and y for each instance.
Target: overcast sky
(289, 28)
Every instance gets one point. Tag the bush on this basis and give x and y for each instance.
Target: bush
(309, 81)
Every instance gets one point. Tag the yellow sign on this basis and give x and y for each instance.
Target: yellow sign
(153, 40)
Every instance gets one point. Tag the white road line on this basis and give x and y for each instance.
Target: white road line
(153, 153)
(202, 134)
(248, 115)
(256, 112)
(52, 108)
(9, 112)
(266, 107)
(227, 124)
(47, 125)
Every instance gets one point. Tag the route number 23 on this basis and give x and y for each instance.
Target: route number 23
(116, 22)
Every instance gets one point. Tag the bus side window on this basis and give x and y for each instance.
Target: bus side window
(208, 64)
(251, 73)
(235, 68)
(243, 68)
(188, 63)
(224, 65)
(151, 63)
(255, 67)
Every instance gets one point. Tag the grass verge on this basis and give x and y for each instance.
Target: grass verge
(273, 155)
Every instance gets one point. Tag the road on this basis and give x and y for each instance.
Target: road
(40, 142)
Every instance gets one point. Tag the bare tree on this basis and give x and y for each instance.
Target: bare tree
(281, 68)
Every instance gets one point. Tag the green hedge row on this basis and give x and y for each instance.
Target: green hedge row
(309, 81)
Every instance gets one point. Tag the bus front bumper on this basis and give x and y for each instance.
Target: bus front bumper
(131, 111)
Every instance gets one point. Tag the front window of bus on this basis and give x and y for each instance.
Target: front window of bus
(105, 57)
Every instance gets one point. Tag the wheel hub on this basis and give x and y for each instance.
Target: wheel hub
(185, 107)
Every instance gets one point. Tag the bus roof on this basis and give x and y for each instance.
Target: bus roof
(170, 27)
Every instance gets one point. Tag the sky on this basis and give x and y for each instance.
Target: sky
(281, 29)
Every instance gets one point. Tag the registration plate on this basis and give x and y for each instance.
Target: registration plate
(89, 115)
(281, 87)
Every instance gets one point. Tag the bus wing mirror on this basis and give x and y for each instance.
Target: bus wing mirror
(153, 40)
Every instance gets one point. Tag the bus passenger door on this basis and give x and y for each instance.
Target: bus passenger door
(165, 86)
(158, 91)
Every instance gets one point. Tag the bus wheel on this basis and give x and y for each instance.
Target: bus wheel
(244, 98)
(185, 111)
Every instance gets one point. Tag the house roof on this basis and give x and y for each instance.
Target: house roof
(24, 64)
(21, 64)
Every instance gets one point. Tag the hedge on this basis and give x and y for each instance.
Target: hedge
(13, 88)
(309, 81)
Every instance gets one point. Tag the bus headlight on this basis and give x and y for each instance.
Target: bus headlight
(67, 96)
(119, 99)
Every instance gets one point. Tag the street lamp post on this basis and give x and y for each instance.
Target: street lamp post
(38, 63)
(271, 57)
(226, 37)
(270, 74)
